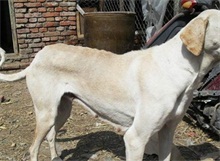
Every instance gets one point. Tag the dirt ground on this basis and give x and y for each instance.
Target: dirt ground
(83, 137)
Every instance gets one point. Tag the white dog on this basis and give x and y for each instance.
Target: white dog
(143, 93)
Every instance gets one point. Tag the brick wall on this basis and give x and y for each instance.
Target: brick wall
(44, 22)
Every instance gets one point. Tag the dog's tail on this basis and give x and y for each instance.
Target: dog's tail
(13, 77)
(2, 54)
(10, 77)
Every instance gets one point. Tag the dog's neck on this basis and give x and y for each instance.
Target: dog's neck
(200, 64)
(187, 65)
(173, 51)
(204, 62)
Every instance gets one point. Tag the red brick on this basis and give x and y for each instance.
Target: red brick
(41, 0)
(60, 28)
(50, 9)
(51, 4)
(39, 25)
(72, 27)
(67, 4)
(29, 15)
(67, 23)
(33, 4)
(67, 13)
(20, 0)
(28, 41)
(55, 38)
(58, 18)
(46, 39)
(42, 29)
(35, 35)
(42, 9)
(21, 41)
(26, 51)
(65, 33)
(19, 15)
(34, 30)
(61, 38)
(36, 45)
(23, 31)
(51, 29)
(50, 19)
(65, 9)
(56, 33)
(51, 24)
(20, 10)
(20, 25)
(71, 8)
(22, 46)
(21, 36)
(32, 19)
(59, 9)
(72, 18)
(18, 5)
(51, 14)
(41, 19)
(65, 18)
(36, 40)
(32, 10)
(31, 25)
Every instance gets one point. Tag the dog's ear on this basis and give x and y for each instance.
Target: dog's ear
(193, 35)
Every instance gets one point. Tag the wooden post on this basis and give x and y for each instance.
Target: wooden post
(101, 5)
(121, 5)
(13, 26)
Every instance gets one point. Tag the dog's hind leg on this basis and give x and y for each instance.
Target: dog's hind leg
(45, 120)
(64, 110)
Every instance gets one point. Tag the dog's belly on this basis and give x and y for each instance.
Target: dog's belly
(119, 116)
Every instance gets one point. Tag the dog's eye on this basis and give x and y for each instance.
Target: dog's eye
(211, 45)
(215, 45)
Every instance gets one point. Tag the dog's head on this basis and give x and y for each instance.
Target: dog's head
(203, 34)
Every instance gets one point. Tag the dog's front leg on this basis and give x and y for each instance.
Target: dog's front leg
(51, 137)
(139, 133)
(166, 141)
(135, 145)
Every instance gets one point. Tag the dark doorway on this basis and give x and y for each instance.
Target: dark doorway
(6, 41)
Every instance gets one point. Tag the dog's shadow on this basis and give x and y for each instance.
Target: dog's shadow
(89, 145)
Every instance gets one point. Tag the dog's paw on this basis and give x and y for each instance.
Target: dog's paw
(57, 159)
